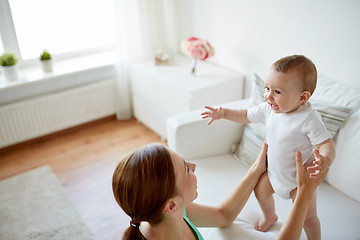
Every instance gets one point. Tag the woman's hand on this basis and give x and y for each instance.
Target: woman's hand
(260, 164)
(306, 186)
(304, 181)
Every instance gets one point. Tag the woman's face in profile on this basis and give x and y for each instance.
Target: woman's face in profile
(186, 182)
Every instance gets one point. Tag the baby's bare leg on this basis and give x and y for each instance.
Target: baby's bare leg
(312, 223)
(263, 192)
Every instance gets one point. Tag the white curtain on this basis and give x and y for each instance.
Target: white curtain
(141, 28)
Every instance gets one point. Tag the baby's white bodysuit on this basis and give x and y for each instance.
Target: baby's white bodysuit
(286, 133)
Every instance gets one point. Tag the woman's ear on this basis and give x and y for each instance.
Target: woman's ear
(305, 95)
(170, 206)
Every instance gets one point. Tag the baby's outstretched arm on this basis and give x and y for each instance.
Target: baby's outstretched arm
(239, 116)
(324, 157)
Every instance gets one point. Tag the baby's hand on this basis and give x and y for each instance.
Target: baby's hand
(214, 114)
(320, 164)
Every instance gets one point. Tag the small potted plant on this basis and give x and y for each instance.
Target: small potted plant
(8, 66)
(46, 62)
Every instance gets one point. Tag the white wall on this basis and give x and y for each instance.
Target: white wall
(249, 35)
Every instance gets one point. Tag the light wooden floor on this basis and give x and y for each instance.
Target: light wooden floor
(84, 160)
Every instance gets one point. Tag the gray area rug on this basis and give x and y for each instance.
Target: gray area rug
(33, 205)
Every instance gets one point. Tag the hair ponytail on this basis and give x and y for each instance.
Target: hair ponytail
(133, 233)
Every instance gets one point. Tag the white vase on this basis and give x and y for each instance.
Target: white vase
(11, 73)
(46, 65)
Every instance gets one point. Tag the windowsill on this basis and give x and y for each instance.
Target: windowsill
(67, 74)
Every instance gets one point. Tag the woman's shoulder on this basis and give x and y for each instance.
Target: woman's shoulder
(192, 227)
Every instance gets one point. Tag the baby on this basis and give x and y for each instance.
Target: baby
(291, 125)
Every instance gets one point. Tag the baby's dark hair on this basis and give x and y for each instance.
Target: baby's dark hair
(303, 66)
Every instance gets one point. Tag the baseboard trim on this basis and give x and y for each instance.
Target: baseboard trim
(59, 133)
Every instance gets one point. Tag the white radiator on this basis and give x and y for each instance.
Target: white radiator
(46, 114)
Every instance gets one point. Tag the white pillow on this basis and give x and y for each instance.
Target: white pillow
(254, 134)
(344, 173)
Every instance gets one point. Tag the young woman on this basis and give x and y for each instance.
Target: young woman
(156, 188)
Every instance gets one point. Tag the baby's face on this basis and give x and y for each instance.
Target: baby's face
(282, 92)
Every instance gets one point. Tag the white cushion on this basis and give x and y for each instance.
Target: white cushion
(337, 93)
(254, 134)
(344, 173)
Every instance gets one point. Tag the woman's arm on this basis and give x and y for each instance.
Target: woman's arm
(225, 214)
(306, 186)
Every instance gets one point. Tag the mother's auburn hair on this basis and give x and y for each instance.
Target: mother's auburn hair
(142, 183)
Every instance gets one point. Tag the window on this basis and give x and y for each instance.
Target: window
(1, 47)
(61, 26)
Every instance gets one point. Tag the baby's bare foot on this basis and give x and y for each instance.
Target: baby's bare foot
(265, 224)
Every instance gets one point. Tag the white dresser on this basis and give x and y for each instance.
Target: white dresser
(161, 91)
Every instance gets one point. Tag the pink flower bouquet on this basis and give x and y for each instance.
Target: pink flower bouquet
(197, 48)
